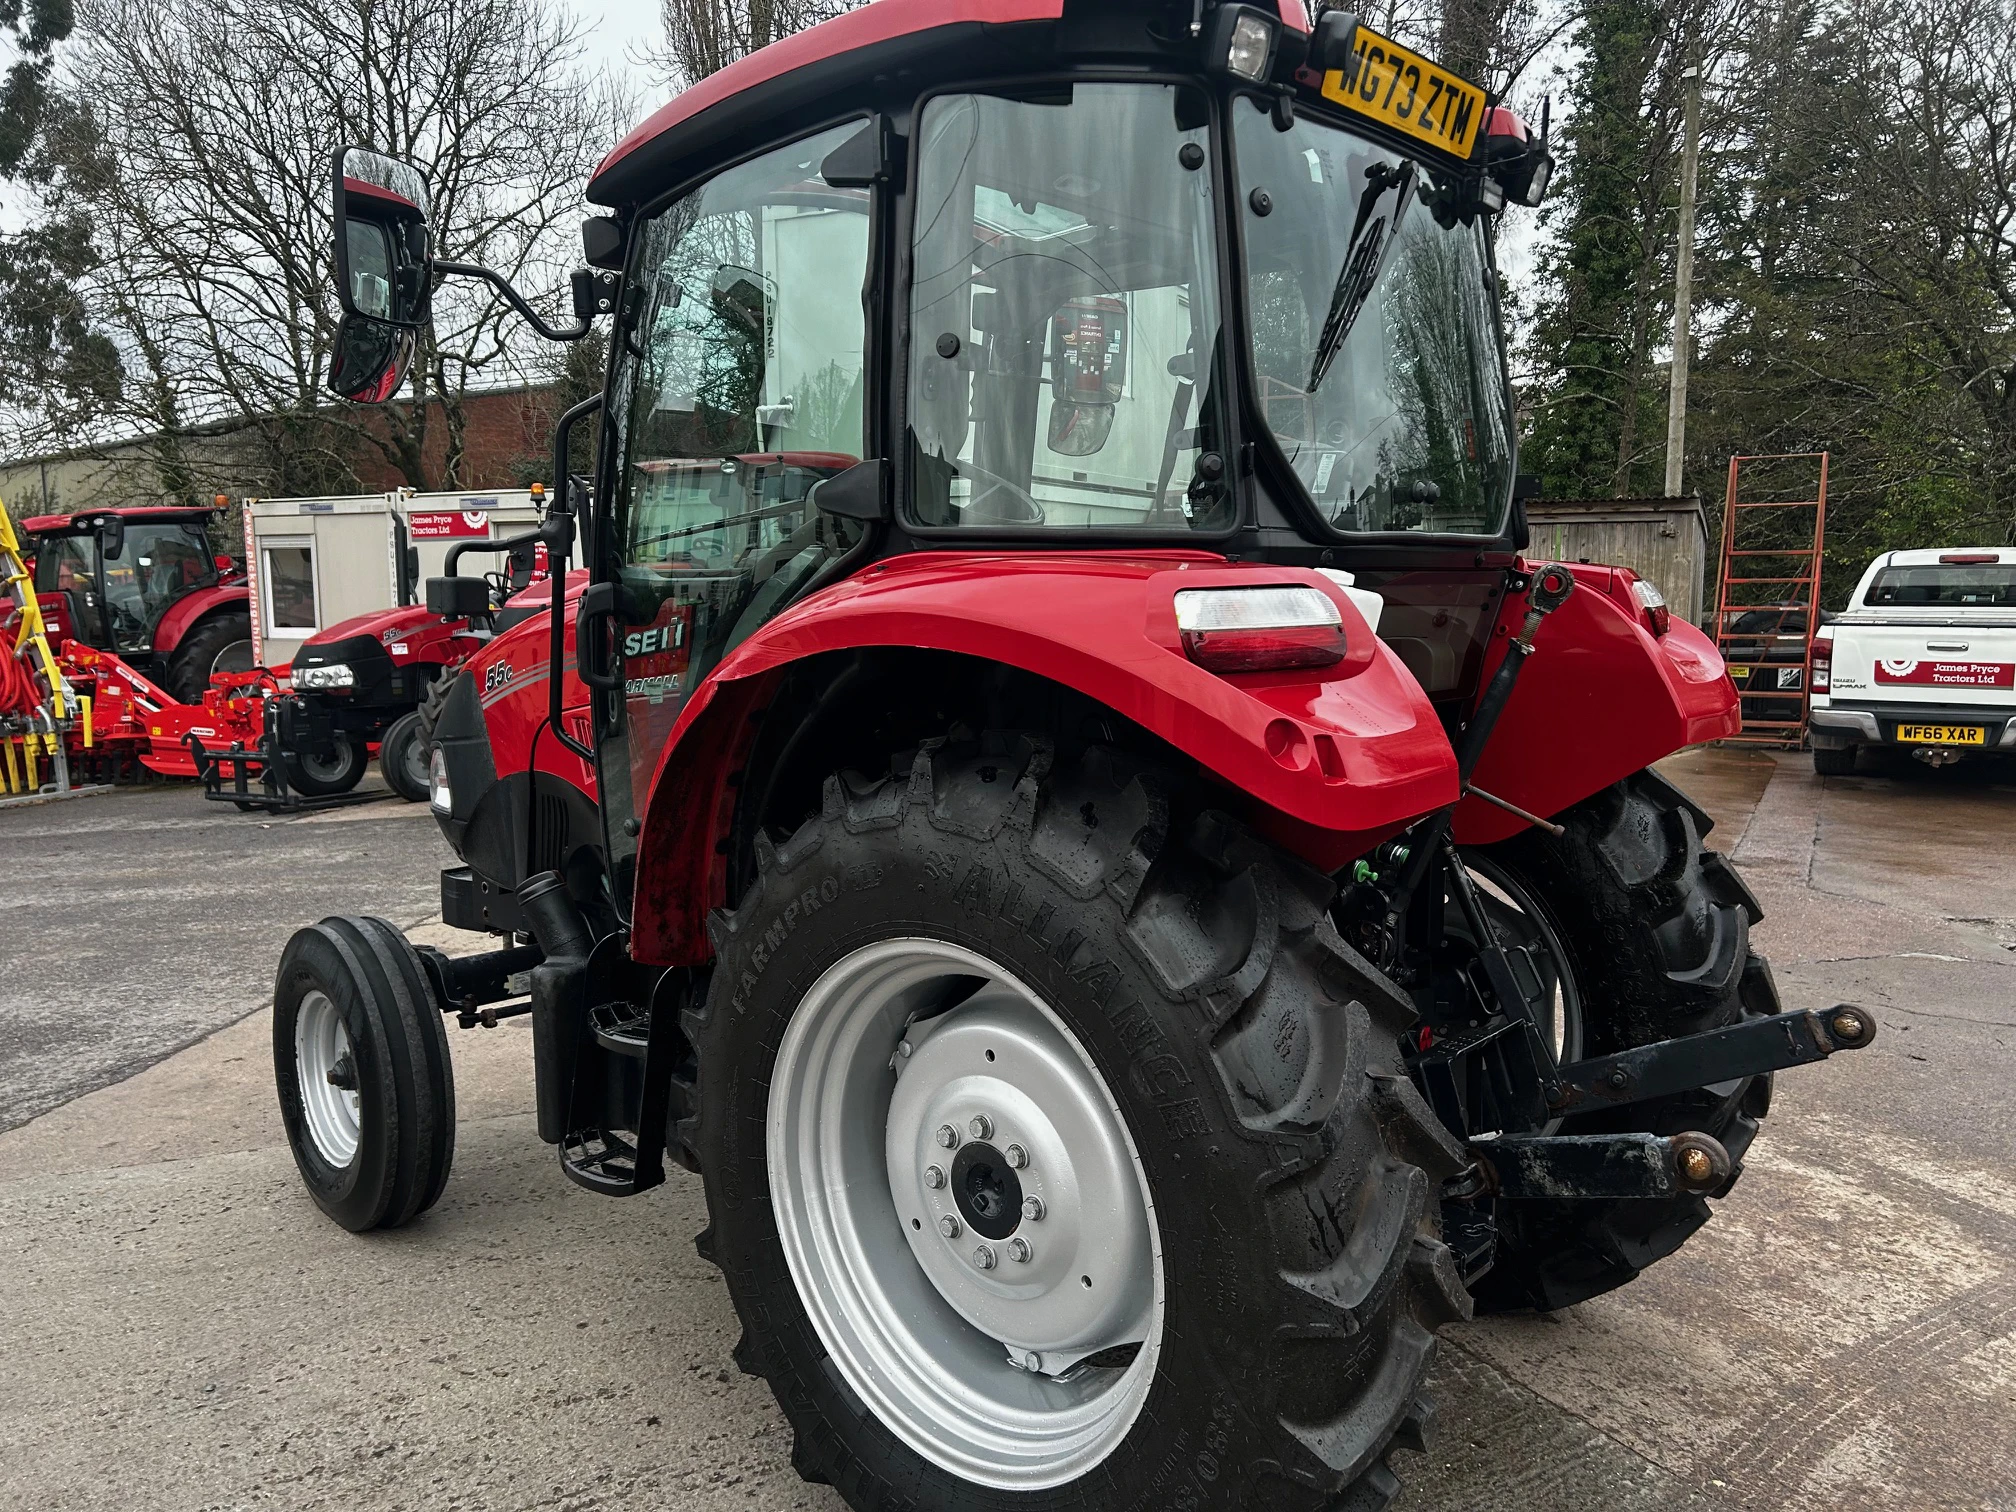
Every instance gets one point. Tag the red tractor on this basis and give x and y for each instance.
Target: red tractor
(1137, 899)
(144, 584)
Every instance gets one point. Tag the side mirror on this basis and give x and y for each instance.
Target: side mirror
(112, 535)
(859, 493)
(370, 359)
(382, 245)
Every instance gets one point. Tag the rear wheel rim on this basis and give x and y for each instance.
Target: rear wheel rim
(236, 657)
(322, 1048)
(413, 761)
(1516, 916)
(1013, 1345)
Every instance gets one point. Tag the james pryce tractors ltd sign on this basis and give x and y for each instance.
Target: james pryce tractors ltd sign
(453, 524)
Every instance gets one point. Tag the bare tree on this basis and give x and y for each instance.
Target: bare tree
(203, 133)
(705, 36)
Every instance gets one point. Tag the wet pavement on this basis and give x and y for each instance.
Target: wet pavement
(185, 1331)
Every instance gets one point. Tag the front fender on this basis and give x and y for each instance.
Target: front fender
(1329, 762)
(1600, 698)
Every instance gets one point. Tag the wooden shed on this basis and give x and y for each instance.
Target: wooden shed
(1663, 540)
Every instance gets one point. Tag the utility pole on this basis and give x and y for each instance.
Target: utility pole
(1683, 287)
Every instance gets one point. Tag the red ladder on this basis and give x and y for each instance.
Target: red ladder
(1769, 594)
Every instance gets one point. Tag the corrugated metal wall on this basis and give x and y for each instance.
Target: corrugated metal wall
(1663, 540)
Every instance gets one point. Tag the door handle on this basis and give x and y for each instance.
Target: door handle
(1946, 645)
(594, 647)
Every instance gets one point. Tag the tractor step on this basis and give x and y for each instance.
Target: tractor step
(602, 1160)
(622, 1028)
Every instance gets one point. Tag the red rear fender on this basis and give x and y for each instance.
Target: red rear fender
(1601, 698)
(182, 615)
(1327, 761)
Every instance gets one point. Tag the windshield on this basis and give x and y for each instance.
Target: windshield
(155, 565)
(1375, 345)
(1064, 323)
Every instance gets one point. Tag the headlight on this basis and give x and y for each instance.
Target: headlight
(1242, 42)
(440, 797)
(335, 675)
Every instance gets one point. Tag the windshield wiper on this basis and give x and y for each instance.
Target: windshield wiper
(1373, 239)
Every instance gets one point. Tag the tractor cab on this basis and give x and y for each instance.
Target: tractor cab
(145, 584)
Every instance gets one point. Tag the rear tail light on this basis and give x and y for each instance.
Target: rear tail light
(1260, 629)
(1658, 618)
(1820, 674)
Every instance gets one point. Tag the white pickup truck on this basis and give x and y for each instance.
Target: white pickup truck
(1923, 658)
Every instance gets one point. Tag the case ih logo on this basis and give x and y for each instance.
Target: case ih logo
(1943, 674)
(454, 525)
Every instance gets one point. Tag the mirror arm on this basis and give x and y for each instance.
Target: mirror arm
(517, 302)
(558, 532)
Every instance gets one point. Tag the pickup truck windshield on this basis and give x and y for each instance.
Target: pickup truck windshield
(1375, 345)
(1943, 586)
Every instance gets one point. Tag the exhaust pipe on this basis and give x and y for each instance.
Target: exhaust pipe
(559, 985)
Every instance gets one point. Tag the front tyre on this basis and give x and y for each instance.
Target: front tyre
(1058, 1152)
(1650, 938)
(326, 773)
(360, 1058)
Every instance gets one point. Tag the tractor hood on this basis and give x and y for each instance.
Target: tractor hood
(381, 625)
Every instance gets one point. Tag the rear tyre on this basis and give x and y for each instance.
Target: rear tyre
(1655, 937)
(402, 757)
(1128, 1011)
(323, 774)
(221, 643)
(1836, 763)
(360, 1057)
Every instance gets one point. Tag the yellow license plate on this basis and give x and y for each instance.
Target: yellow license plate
(1950, 735)
(1404, 90)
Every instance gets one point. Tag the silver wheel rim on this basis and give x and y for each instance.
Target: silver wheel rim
(1521, 925)
(416, 757)
(236, 657)
(1018, 1357)
(322, 1045)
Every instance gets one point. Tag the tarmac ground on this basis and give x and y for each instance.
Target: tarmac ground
(180, 1329)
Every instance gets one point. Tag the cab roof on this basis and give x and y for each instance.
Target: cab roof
(86, 519)
(830, 70)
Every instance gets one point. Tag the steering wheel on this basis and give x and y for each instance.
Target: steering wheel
(1031, 511)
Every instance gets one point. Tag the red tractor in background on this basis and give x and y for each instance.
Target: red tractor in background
(145, 584)
(374, 681)
(1136, 897)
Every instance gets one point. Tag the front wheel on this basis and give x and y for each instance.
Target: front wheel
(323, 774)
(1055, 1143)
(360, 1058)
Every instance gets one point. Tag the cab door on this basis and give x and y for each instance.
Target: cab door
(738, 384)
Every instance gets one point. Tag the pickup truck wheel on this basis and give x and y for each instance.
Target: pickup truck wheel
(1655, 938)
(1835, 763)
(360, 1057)
(1058, 1152)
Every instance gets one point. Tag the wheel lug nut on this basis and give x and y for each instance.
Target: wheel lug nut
(983, 1256)
(934, 1178)
(1032, 1209)
(949, 1226)
(981, 1125)
(948, 1136)
(1017, 1156)
(1019, 1251)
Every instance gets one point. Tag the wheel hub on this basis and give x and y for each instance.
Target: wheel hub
(327, 1069)
(1076, 1282)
